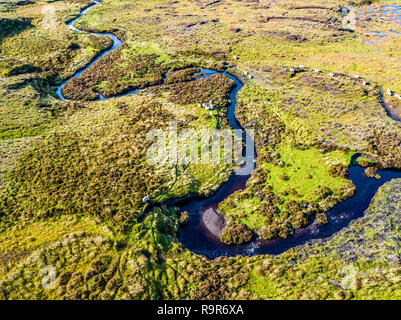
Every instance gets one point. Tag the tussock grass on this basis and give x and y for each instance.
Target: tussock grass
(73, 175)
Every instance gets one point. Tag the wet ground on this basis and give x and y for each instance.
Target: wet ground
(387, 16)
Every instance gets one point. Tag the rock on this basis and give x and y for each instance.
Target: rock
(214, 221)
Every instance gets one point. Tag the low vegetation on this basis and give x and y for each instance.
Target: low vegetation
(74, 177)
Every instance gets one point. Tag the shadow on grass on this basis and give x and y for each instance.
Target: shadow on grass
(11, 27)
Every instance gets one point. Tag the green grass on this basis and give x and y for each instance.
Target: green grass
(105, 145)
(305, 171)
(303, 163)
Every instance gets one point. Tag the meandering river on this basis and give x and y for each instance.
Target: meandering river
(196, 237)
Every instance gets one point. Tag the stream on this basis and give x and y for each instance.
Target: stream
(197, 238)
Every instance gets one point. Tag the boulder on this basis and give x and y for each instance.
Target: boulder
(214, 221)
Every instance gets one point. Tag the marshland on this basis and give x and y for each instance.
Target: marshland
(319, 91)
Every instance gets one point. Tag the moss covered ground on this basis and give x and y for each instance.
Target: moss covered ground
(73, 174)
